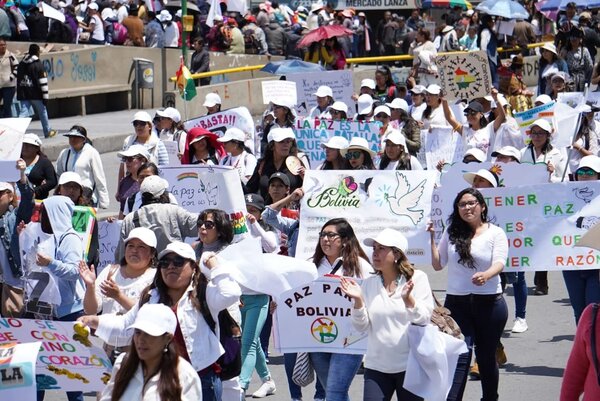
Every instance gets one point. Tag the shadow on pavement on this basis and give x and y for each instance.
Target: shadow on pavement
(534, 370)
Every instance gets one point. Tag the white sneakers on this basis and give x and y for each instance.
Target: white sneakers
(520, 325)
(267, 388)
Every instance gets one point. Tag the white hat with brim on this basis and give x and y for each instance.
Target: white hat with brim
(211, 100)
(477, 154)
(509, 151)
(154, 185)
(70, 176)
(135, 150)
(280, 134)
(233, 134)
(368, 82)
(179, 248)
(170, 112)
(543, 99)
(339, 106)
(390, 238)
(550, 47)
(590, 161)
(144, 234)
(155, 320)
(358, 143)
(74, 133)
(32, 139)
(365, 104)
(396, 138)
(398, 103)
(382, 109)
(336, 142)
(543, 124)
(142, 116)
(6, 186)
(434, 89)
(93, 6)
(418, 89)
(323, 91)
(483, 173)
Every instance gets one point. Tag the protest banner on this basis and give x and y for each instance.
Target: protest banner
(526, 118)
(238, 117)
(443, 143)
(310, 134)
(173, 151)
(12, 131)
(464, 75)
(69, 358)
(370, 201)
(307, 84)
(108, 237)
(197, 187)
(279, 92)
(17, 369)
(317, 318)
(566, 125)
(543, 222)
(571, 99)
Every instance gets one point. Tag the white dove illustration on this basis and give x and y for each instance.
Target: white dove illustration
(405, 200)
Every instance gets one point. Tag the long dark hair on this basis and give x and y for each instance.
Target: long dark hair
(403, 161)
(428, 109)
(345, 165)
(351, 249)
(460, 233)
(169, 386)
(269, 157)
(222, 222)
(367, 163)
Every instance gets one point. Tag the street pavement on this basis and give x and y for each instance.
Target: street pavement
(536, 358)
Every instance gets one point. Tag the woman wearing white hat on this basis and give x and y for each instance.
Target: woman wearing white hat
(586, 139)
(385, 304)
(170, 127)
(395, 154)
(239, 156)
(338, 111)
(119, 286)
(40, 171)
(550, 63)
(152, 368)
(95, 27)
(406, 124)
(359, 155)
(540, 150)
(333, 154)
(434, 112)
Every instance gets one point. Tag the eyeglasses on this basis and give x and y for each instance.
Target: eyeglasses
(537, 133)
(209, 225)
(329, 235)
(582, 172)
(468, 204)
(353, 154)
(138, 123)
(175, 261)
(129, 159)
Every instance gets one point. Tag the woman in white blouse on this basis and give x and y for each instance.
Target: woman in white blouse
(239, 156)
(384, 306)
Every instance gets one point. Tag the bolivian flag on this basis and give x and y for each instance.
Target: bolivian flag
(185, 83)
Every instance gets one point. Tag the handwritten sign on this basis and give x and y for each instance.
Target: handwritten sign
(12, 131)
(443, 143)
(108, 237)
(279, 92)
(464, 75)
(307, 84)
(173, 151)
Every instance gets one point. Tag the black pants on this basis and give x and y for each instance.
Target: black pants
(381, 386)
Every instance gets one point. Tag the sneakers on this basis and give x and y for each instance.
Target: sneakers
(474, 372)
(51, 133)
(267, 388)
(501, 355)
(520, 325)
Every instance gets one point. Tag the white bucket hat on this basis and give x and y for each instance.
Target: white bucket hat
(389, 237)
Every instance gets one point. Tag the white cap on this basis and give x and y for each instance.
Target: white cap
(339, 106)
(396, 138)
(178, 13)
(382, 109)
(398, 103)
(170, 112)
(135, 150)
(211, 100)
(418, 89)
(233, 134)
(434, 89)
(550, 47)
(284, 103)
(543, 124)
(144, 234)
(590, 161)
(165, 16)
(155, 320)
(477, 154)
(32, 139)
(279, 134)
(93, 6)
(390, 238)
(70, 176)
(76, 133)
(142, 116)
(154, 185)
(365, 104)
(359, 143)
(543, 99)
(107, 13)
(323, 91)
(6, 186)
(180, 248)
(483, 173)
(336, 142)
(507, 151)
(368, 82)
(217, 18)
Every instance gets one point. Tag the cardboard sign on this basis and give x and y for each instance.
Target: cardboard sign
(464, 75)
(279, 92)
(12, 131)
(17, 370)
(340, 82)
(108, 237)
(443, 143)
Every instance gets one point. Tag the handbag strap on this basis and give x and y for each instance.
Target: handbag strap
(337, 266)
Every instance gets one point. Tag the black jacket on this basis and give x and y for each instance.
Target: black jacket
(32, 82)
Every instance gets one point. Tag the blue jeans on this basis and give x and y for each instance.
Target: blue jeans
(265, 334)
(71, 395)
(40, 109)
(254, 313)
(7, 98)
(289, 361)
(520, 291)
(212, 388)
(336, 372)
(583, 287)
(381, 386)
(481, 319)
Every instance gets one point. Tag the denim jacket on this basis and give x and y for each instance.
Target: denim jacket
(9, 236)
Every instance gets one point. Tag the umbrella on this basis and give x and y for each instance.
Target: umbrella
(554, 5)
(291, 67)
(551, 15)
(591, 239)
(503, 8)
(446, 4)
(323, 32)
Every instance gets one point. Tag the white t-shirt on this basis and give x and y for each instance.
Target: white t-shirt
(325, 267)
(479, 139)
(244, 163)
(414, 164)
(557, 157)
(98, 32)
(416, 112)
(436, 118)
(489, 247)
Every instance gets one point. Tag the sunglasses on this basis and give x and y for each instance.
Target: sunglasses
(582, 172)
(209, 225)
(354, 154)
(138, 123)
(175, 261)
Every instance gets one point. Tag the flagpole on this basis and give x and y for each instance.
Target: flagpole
(184, 33)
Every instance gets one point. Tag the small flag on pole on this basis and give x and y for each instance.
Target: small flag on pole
(185, 83)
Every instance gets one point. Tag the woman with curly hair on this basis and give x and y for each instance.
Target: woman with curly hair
(475, 252)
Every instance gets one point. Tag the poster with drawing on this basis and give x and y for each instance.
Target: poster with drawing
(464, 75)
(279, 92)
(307, 84)
(12, 131)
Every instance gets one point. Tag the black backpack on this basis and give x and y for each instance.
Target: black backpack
(251, 44)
